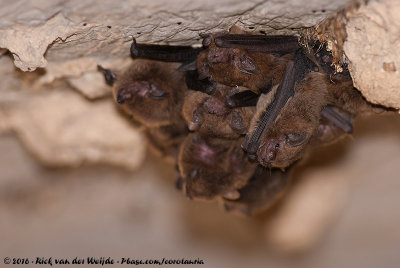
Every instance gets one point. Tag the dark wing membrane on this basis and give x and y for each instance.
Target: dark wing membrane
(280, 44)
(164, 52)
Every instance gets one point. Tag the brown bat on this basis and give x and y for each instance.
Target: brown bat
(261, 192)
(285, 139)
(151, 91)
(239, 67)
(267, 114)
(212, 167)
(321, 110)
(212, 116)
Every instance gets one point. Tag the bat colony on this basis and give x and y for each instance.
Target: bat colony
(237, 113)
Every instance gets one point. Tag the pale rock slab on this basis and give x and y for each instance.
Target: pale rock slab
(372, 47)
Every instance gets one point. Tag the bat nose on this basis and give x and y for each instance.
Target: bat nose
(270, 156)
(267, 155)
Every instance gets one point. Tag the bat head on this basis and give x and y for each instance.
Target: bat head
(213, 167)
(281, 151)
(139, 89)
(145, 100)
(150, 91)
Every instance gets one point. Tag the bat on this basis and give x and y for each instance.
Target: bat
(239, 67)
(151, 91)
(212, 167)
(285, 139)
(332, 98)
(262, 191)
(284, 91)
(253, 61)
(212, 116)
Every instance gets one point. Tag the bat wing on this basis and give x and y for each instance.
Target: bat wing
(164, 53)
(279, 44)
(284, 92)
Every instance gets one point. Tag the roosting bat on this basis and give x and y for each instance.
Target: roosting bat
(284, 139)
(261, 192)
(212, 116)
(332, 97)
(152, 92)
(213, 167)
(239, 67)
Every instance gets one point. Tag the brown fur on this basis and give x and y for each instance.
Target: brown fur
(342, 94)
(213, 167)
(300, 115)
(221, 64)
(150, 112)
(209, 115)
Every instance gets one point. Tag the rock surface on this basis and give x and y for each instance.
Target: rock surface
(372, 47)
(64, 30)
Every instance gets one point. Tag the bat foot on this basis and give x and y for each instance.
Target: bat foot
(108, 75)
(134, 50)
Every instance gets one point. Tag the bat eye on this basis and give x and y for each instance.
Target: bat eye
(296, 139)
(276, 145)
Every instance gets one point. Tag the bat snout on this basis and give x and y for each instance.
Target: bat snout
(267, 154)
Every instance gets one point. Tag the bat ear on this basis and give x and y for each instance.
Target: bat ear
(296, 139)
(108, 75)
(156, 93)
(246, 65)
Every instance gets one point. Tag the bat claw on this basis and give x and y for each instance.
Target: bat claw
(108, 75)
